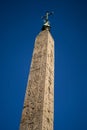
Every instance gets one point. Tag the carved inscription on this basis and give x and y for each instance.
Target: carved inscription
(38, 104)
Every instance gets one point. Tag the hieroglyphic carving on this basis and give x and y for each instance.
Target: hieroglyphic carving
(38, 105)
(49, 89)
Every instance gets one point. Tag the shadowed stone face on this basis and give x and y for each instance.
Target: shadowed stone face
(39, 98)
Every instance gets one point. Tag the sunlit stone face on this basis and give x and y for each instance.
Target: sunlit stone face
(38, 110)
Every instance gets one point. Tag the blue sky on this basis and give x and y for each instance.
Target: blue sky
(20, 23)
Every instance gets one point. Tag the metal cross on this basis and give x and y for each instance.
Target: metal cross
(46, 16)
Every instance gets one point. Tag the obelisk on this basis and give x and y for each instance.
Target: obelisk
(38, 109)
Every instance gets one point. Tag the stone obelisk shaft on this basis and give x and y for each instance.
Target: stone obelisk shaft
(38, 109)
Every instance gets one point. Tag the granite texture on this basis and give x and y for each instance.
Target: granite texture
(38, 109)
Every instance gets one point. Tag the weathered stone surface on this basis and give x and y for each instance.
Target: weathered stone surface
(38, 110)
